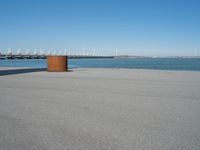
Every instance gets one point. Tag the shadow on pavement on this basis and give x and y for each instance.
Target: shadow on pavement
(20, 71)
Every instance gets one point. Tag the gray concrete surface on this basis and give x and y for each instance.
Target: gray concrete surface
(100, 109)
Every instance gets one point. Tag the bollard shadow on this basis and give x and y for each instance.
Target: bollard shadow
(20, 71)
(69, 70)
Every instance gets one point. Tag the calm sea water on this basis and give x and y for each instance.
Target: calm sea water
(192, 64)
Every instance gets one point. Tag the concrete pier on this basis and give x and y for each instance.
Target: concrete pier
(99, 109)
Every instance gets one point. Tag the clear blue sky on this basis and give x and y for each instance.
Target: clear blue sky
(141, 27)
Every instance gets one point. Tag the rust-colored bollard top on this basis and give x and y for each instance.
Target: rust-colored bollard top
(57, 63)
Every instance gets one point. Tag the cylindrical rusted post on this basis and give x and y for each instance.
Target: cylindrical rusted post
(57, 63)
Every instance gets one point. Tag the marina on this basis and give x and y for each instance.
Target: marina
(37, 56)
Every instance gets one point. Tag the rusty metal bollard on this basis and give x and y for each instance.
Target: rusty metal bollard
(57, 63)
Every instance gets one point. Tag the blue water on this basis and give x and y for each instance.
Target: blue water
(192, 64)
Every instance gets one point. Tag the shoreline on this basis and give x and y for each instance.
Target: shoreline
(135, 69)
